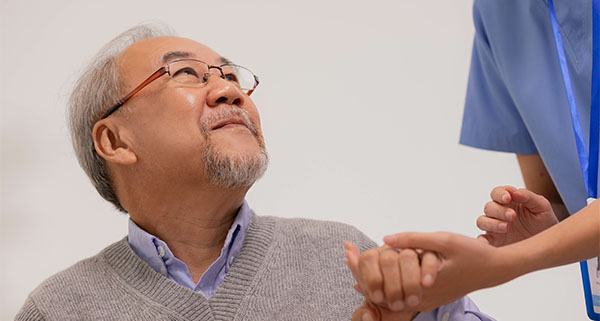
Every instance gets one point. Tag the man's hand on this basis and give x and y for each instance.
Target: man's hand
(371, 312)
(467, 264)
(514, 215)
(390, 280)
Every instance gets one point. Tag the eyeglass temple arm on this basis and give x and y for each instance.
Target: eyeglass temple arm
(146, 82)
(256, 85)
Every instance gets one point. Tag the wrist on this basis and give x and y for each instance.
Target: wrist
(512, 261)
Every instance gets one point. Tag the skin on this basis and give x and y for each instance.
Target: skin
(522, 236)
(512, 215)
(387, 279)
(538, 180)
(575, 239)
(153, 147)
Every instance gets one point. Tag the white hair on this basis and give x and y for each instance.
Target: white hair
(96, 91)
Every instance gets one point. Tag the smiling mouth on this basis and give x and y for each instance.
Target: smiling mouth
(229, 123)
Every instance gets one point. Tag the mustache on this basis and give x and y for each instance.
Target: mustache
(226, 113)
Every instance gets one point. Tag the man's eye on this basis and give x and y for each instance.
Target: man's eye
(185, 72)
(232, 78)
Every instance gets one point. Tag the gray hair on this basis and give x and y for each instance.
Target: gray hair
(98, 88)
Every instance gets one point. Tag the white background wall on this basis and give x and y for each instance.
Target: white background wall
(361, 104)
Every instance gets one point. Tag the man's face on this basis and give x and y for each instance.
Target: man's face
(209, 132)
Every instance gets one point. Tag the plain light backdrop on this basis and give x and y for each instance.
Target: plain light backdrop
(361, 105)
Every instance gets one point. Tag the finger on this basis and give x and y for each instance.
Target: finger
(366, 312)
(531, 200)
(499, 211)
(492, 225)
(392, 283)
(360, 290)
(363, 313)
(501, 194)
(484, 238)
(371, 275)
(430, 265)
(428, 241)
(352, 259)
(411, 276)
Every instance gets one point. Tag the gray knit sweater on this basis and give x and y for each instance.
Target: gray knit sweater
(288, 269)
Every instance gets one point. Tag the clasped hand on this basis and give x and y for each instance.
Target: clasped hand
(398, 281)
(391, 280)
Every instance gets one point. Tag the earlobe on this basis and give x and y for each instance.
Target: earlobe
(110, 145)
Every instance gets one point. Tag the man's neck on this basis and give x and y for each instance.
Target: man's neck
(193, 224)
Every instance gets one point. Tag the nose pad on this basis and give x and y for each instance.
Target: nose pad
(206, 76)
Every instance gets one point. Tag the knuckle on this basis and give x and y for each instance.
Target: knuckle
(368, 255)
(408, 255)
(388, 258)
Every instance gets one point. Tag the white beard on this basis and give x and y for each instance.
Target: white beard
(233, 171)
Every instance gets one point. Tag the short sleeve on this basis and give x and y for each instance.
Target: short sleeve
(491, 119)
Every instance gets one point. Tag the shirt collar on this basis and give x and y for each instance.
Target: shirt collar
(158, 256)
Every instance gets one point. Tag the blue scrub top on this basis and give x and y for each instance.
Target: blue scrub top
(516, 100)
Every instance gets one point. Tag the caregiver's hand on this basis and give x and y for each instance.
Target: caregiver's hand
(392, 278)
(514, 215)
(467, 264)
(387, 278)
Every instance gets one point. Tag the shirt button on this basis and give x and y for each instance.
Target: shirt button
(446, 316)
(161, 251)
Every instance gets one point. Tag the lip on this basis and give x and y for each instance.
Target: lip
(230, 122)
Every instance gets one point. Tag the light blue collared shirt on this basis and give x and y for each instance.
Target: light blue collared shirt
(462, 309)
(157, 254)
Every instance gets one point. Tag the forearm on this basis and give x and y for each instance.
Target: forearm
(538, 180)
(575, 239)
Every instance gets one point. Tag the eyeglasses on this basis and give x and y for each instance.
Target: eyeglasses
(195, 72)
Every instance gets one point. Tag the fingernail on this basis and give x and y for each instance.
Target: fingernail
(503, 227)
(378, 296)
(398, 305)
(366, 317)
(389, 239)
(412, 300)
(427, 279)
(508, 215)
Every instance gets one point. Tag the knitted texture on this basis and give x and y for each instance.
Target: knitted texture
(288, 269)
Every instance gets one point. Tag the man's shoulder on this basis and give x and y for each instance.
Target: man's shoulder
(74, 281)
(319, 231)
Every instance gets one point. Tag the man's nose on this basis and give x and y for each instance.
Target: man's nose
(223, 92)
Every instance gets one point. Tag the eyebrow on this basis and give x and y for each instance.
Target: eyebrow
(184, 54)
(174, 54)
(226, 61)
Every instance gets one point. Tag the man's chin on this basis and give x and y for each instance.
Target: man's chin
(235, 167)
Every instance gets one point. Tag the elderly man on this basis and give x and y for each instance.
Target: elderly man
(178, 152)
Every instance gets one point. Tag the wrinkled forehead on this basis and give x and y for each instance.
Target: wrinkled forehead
(146, 56)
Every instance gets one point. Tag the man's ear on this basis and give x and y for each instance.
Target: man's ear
(111, 145)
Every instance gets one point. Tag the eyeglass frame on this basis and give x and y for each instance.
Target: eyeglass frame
(164, 70)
